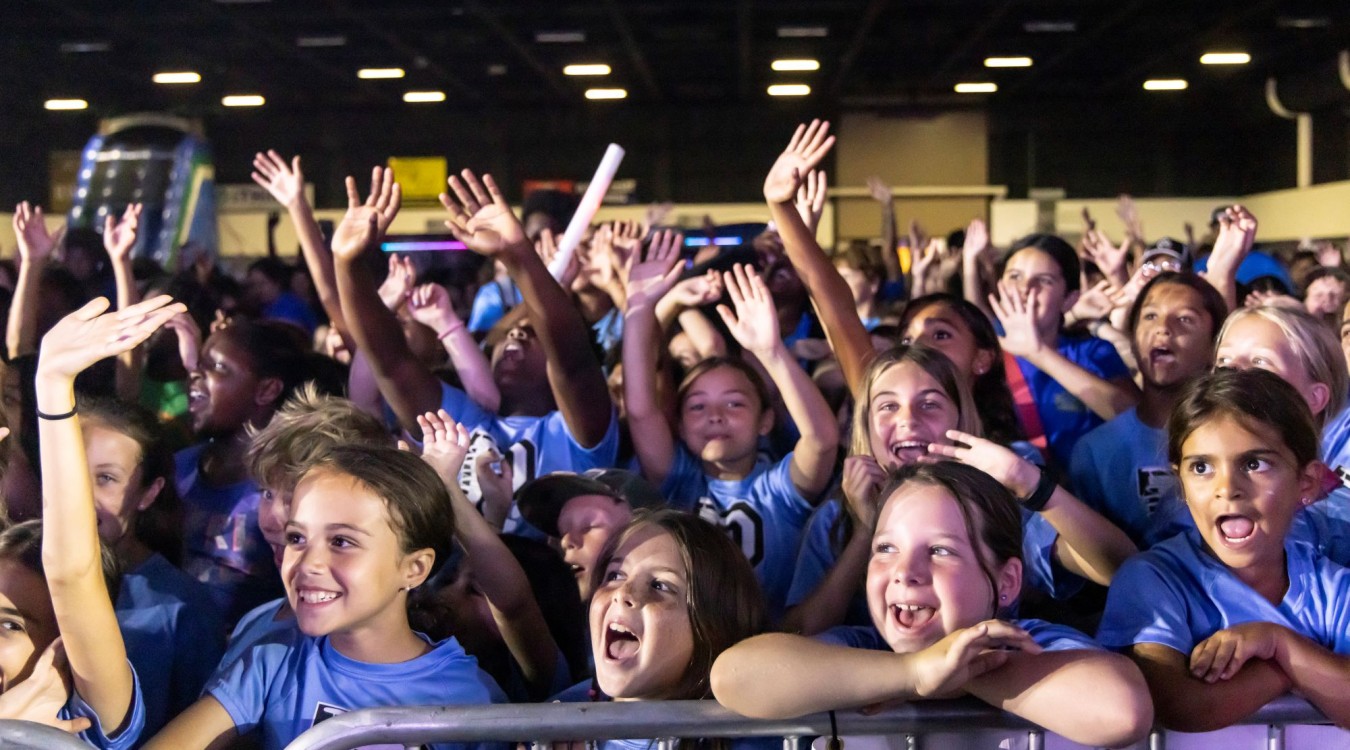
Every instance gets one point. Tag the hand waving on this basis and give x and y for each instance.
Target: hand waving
(398, 284)
(811, 199)
(87, 335)
(1017, 315)
(35, 242)
(697, 291)
(809, 144)
(754, 325)
(977, 241)
(445, 443)
(881, 192)
(366, 222)
(285, 182)
(1108, 257)
(481, 218)
(649, 280)
(1237, 232)
(119, 237)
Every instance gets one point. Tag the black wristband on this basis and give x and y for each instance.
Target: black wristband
(56, 417)
(1039, 497)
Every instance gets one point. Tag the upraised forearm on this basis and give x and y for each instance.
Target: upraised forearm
(319, 260)
(814, 455)
(21, 331)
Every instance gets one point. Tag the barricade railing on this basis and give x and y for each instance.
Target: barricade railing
(25, 735)
(667, 720)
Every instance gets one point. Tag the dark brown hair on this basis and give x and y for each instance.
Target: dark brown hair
(1252, 397)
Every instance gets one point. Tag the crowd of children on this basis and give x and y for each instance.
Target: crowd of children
(789, 480)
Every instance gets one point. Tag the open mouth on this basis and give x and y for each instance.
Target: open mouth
(1162, 355)
(912, 617)
(1236, 529)
(909, 451)
(196, 399)
(620, 642)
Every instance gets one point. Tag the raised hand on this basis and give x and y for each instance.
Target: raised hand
(398, 283)
(496, 481)
(697, 291)
(87, 335)
(863, 479)
(430, 306)
(189, 339)
(35, 242)
(947, 666)
(1108, 257)
(445, 443)
(481, 218)
(922, 265)
(811, 199)
(650, 279)
(977, 241)
(754, 324)
(119, 237)
(1095, 303)
(881, 192)
(656, 213)
(809, 144)
(1221, 655)
(1017, 315)
(366, 221)
(1237, 233)
(918, 238)
(1128, 211)
(285, 182)
(1019, 475)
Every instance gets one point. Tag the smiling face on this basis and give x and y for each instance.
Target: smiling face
(585, 524)
(1325, 296)
(938, 326)
(27, 622)
(1253, 341)
(909, 409)
(1243, 487)
(925, 579)
(223, 390)
(641, 635)
(116, 472)
(1172, 336)
(1030, 269)
(721, 417)
(344, 568)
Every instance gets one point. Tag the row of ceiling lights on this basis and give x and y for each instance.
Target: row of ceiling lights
(800, 65)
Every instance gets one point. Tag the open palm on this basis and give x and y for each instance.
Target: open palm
(809, 145)
(480, 216)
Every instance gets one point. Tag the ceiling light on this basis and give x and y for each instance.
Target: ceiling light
(372, 73)
(606, 93)
(1225, 58)
(795, 65)
(65, 104)
(802, 32)
(496, 69)
(1165, 84)
(243, 100)
(336, 40)
(1007, 62)
(423, 97)
(1049, 27)
(586, 69)
(789, 89)
(560, 37)
(1303, 23)
(976, 88)
(185, 76)
(78, 47)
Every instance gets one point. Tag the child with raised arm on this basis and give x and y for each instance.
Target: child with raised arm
(945, 561)
(555, 412)
(714, 466)
(74, 601)
(1233, 613)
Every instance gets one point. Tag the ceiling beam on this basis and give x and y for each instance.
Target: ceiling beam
(971, 41)
(850, 56)
(633, 49)
(495, 25)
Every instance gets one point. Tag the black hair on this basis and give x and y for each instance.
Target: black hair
(1210, 299)
(274, 269)
(1253, 397)
(1061, 252)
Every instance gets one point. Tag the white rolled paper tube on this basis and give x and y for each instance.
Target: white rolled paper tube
(590, 204)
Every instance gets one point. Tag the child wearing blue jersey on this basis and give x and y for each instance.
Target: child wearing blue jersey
(672, 592)
(65, 590)
(555, 413)
(714, 466)
(1229, 615)
(366, 526)
(946, 559)
(169, 621)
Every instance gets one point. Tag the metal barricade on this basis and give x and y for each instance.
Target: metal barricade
(25, 735)
(542, 723)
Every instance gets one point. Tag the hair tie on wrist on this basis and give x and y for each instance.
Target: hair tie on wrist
(1045, 487)
(457, 327)
(56, 417)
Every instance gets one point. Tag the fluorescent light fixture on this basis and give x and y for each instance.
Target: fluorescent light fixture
(1165, 84)
(496, 69)
(65, 104)
(335, 40)
(1225, 58)
(784, 66)
(789, 89)
(606, 93)
(1303, 23)
(424, 97)
(560, 37)
(1007, 62)
(373, 73)
(586, 69)
(78, 47)
(243, 100)
(802, 32)
(1049, 27)
(976, 88)
(185, 76)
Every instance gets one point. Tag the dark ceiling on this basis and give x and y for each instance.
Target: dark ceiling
(874, 53)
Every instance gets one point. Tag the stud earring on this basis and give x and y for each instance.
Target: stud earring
(1003, 597)
(1306, 500)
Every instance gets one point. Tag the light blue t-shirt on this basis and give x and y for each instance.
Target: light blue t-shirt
(762, 513)
(96, 735)
(490, 303)
(1336, 442)
(1121, 471)
(1326, 526)
(173, 637)
(258, 625)
(1177, 595)
(535, 446)
(1063, 416)
(1047, 635)
(288, 686)
(222, 544)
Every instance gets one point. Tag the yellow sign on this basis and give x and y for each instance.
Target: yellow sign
(422, 178)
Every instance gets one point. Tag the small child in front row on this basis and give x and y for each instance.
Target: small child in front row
(366, 526)
(1233, 613)
(946, 560)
